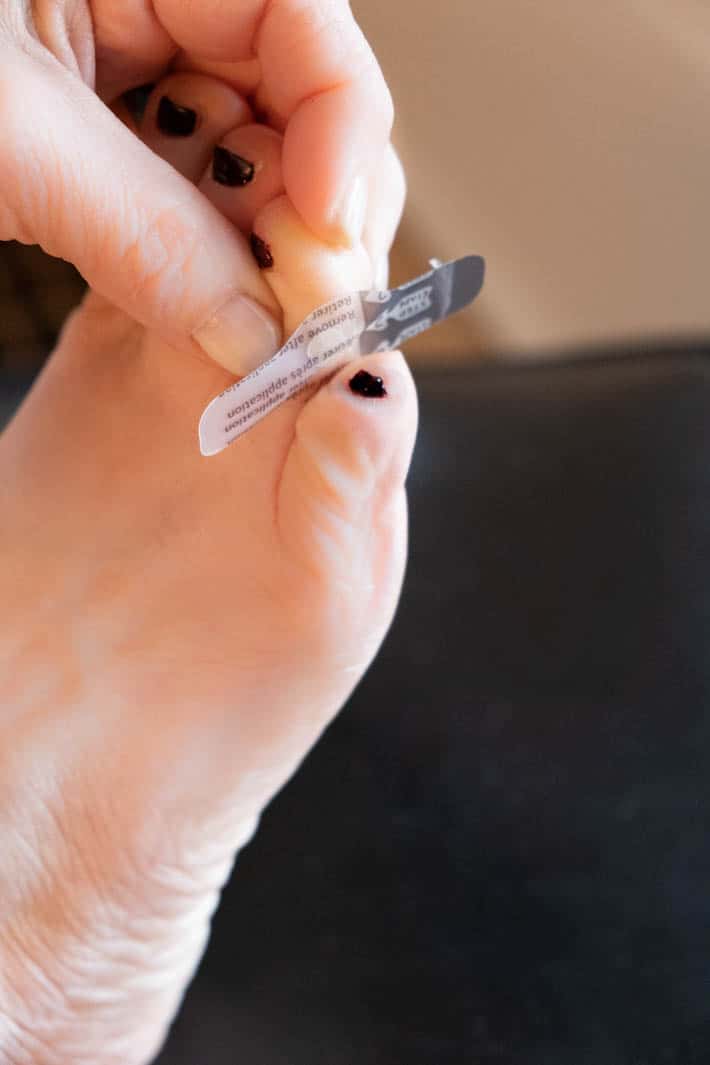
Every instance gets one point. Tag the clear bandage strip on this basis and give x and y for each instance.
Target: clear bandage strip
(353, 325)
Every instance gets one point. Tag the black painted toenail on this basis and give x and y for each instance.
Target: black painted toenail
(174, 120)
(136, 100)
(364, 384)
(262, 252)
(231, 169)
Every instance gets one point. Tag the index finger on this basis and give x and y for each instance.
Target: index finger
(320, 75)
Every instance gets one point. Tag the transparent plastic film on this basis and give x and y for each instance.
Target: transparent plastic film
(353, 325)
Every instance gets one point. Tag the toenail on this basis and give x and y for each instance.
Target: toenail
(262, 252)
(136, 100)
(174, 120)
(231, 169)
(365, 384)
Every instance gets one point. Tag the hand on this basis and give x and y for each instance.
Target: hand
(76, 181)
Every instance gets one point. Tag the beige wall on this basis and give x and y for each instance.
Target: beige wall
(569, 143)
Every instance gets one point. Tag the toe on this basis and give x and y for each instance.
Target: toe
(187, 115)
(244, 174)
(341, 494)
(302, 271)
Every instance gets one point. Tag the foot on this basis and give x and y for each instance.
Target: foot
(177, 631)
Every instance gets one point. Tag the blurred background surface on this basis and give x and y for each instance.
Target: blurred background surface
(565, 141)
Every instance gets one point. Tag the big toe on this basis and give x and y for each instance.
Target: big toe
(342, 504)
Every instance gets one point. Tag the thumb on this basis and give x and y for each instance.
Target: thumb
(76, 181)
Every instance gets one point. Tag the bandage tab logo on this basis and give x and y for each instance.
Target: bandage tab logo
(407, 308)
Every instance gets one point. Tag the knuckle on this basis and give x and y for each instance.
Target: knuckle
(156, 260)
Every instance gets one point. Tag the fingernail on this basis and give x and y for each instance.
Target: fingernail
(174, 120)
(261, 252)
(366, 384)
(231, 169)
(240, 336)
(349, 216)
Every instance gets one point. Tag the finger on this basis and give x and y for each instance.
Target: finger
(321, 77)
(81, 185)
(131, 45)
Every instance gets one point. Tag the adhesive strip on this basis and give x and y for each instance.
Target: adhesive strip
(357, 324)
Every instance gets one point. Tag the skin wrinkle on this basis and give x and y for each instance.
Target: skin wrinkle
(37, 1047)
(65, 30)
(16, 21)
(22, 216)
(80, 31)
(191, 910)
(50, 986)
(19, 1044)
(156, 261)
(50, 171)
(187, 710)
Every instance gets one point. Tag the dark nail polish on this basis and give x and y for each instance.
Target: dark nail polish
(231, 169)
(364, 384)
(136, 100)
(262, 252)
(176, 121)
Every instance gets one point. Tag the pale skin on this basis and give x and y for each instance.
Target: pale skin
(177, 631)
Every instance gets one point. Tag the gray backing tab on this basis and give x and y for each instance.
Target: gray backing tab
(359, 323)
